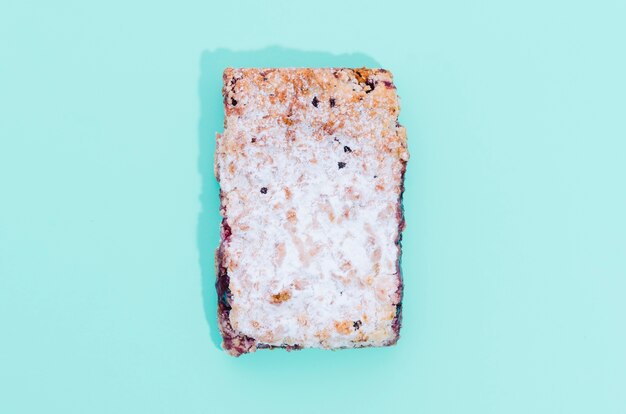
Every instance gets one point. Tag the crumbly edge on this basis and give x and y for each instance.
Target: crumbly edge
(236, 343)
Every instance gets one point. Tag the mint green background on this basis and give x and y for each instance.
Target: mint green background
(514, 254)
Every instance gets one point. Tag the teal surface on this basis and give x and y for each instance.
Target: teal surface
(514, 254)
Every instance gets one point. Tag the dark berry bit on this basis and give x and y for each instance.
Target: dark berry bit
(233, 101)
(357, 324)
(315, 101)
(346, 149)
(332, 102)
(264, 190)
(253, 140)
(226, 229)
(389, 85)
(371, 84)
(375, 176)
(341, 164)
(224, 298)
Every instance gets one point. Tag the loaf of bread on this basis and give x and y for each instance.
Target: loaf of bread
(311, 168)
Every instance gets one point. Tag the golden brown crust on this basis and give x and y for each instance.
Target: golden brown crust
(353, 92)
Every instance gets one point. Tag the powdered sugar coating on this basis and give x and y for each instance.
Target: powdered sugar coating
(311, 167)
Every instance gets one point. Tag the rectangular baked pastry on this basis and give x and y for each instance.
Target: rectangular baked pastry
(311, 167)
